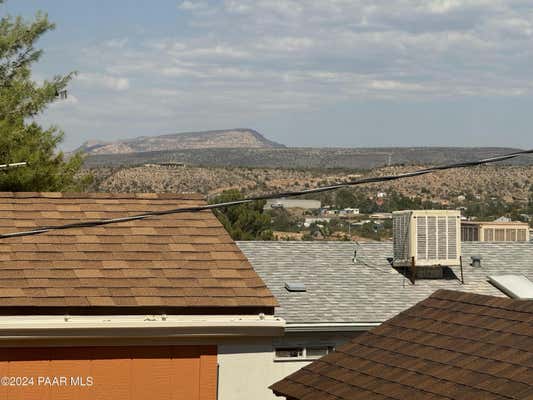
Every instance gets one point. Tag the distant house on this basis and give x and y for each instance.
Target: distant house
(293, 203)
(361, 223)
(349, 211)
(381, 216)
(503, 219)
(525, 217)
(496, 231)
(166, 307)
(329, 211)
(339, 290)
(453, 345)
(309, 221)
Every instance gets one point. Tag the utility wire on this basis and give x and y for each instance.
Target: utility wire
(386, 178)
(19, 164)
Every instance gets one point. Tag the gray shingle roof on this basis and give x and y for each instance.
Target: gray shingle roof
(339, 291)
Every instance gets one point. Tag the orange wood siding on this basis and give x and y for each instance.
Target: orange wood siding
(119, 373)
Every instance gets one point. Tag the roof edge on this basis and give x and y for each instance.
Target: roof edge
(331, 327)
(136, 310)
(102, 195)
(56, 326)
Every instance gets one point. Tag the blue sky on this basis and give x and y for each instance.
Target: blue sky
(302, 72)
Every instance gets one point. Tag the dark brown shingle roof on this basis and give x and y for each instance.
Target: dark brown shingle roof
(182, 260)
(453, 345)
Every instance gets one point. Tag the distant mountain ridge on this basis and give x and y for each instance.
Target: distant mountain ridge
(306, 158)
(225, 138)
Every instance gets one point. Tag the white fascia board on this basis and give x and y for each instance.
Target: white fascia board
(332, 327)
(140, 325)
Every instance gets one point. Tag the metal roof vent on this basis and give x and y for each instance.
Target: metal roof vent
(295, 286)
(476, 261)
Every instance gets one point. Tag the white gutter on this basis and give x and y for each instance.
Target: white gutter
(332, 327)
(47, 326)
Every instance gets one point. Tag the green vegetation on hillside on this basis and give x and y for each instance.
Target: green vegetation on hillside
(359, 198)
(484, 193)
(245, 221)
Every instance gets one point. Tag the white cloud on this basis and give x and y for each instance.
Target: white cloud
(255, 57)
(117, 43)
(181, 72)
(394, 85)
(411, 48)
(105, 81)
(69, 102)
(188, 5)
(285, 44)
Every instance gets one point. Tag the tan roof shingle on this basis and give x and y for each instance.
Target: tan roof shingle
(180, 260)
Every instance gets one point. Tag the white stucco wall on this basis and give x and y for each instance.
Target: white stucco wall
(247, 370)
(247, 367)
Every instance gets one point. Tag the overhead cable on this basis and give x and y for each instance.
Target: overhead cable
(13, 165)
(376, 179)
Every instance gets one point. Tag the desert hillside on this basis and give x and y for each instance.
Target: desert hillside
(509, 183)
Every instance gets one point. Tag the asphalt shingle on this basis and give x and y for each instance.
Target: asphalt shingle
(430, 352)
(181, 260)
(369, 290)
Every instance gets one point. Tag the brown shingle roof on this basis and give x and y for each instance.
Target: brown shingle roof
(453, 345)
(181, 260)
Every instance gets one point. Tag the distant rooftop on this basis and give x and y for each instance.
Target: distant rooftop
(292, 203)
(497, 222)
(369, 290)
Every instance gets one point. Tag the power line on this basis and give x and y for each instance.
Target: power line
(13, 165)
(386, 178)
